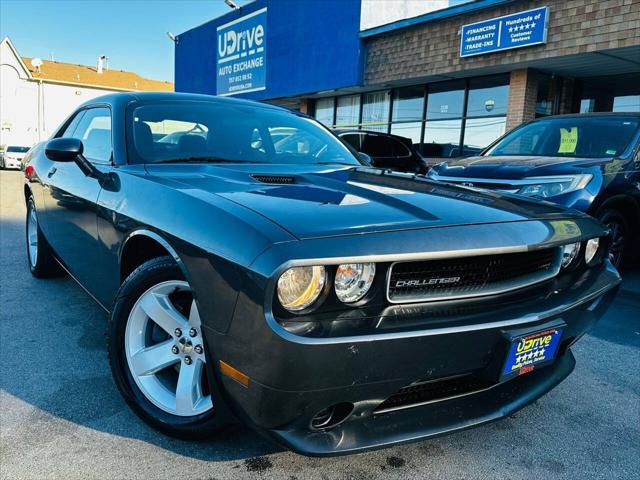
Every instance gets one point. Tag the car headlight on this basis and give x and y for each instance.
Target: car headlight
(546, 187)
(353, 281)
(569, 253)
(299, 287)
(591, 249)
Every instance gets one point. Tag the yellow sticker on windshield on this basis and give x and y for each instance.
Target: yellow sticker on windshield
(568, 140)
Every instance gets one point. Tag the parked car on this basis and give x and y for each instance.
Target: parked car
(385, 150)
(588, 162)
(13, 156)
(334, 307)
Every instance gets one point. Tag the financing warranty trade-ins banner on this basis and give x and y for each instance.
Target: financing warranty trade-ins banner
(520, 29)
(242, 54)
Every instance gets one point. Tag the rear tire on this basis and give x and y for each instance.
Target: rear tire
(157, 354)
(40, 259)
(621, 235)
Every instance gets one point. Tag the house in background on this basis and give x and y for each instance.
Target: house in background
(37, 95)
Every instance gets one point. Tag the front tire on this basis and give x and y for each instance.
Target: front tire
(157, 355)
(40, 258)
(620, 235)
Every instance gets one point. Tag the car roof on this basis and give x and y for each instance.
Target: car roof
(127, 97)
(591, 115)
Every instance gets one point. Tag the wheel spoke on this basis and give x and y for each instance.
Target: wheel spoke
(194, 315)
(187, 390)
(153, 359)
(159, 308)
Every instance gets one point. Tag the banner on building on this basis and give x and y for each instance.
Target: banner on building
(517, 30)
(242, 54)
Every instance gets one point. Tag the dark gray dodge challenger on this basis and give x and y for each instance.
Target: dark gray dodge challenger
(255, 269)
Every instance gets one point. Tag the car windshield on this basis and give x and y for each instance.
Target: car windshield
(571, 137)
(222, 132)
(18, 149)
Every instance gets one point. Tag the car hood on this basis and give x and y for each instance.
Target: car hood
(516, 167)
(317, 201)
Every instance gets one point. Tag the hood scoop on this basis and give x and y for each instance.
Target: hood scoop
(275, 179)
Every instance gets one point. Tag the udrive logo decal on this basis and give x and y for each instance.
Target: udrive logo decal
(232, 42)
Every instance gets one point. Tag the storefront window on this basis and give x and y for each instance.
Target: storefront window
(442, 138)
(445, 100)
(488, 96)
(548, 91)
(408, 104)
(401, 111)
(348, 111)
(480, 132)
(627, 103)
(410, 130)
(375, 111)
(324, 111)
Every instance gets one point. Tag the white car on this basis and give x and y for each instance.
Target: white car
(13, 156)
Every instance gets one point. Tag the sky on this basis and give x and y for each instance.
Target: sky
(131, 33)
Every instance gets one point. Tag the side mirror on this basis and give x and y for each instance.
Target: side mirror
(366, 158)
(63, 149)
(70, 150)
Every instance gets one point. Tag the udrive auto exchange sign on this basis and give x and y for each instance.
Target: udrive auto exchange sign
(242, 54)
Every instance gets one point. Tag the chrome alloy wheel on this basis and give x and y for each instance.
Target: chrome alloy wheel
(32, 236)
(163, 346)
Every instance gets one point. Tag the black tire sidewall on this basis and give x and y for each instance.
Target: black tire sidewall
(608, 216)
(46, 266)
(143, 278)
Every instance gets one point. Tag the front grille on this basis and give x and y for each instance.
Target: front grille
(433, 391)
(431, 280)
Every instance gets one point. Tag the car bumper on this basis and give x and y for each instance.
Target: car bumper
(12, 163)
(291, 378)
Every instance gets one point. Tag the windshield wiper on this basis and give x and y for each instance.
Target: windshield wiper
(202, 160)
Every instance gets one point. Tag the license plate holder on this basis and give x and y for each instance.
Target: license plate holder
(532, 349)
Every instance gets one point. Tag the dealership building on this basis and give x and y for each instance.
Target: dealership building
(452, 75)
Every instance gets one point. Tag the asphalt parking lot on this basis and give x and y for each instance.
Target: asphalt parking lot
(62, 417)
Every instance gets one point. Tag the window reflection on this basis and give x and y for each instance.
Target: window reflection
(480, 132)
(324, 111)
(348, 111)
(445, 101)
(407, 104)
(442, 138)
(488, 96)
(410, 130)
(375, 111)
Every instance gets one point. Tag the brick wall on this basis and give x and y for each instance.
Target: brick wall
(523, 88)
(575, 26)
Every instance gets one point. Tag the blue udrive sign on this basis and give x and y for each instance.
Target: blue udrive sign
(242, 54)
(517, 30)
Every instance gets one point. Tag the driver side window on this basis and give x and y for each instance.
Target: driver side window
(93, 127)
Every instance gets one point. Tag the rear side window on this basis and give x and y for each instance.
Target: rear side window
(18, 149)
(352, 139)
(94, 129)
(377, 146)
(399, 148)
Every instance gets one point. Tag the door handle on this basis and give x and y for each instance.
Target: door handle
(51, 172)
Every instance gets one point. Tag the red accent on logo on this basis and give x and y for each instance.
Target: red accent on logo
(526, 369)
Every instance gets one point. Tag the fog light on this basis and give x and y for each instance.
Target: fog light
(591, 249)
(569, 253)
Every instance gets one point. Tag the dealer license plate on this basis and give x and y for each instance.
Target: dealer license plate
(531, 351)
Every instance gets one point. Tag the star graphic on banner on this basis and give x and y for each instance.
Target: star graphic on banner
(541, 351)
(533, 24)
(510, 29)
(526, 26)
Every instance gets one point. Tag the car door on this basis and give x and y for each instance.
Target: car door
(71, 197)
